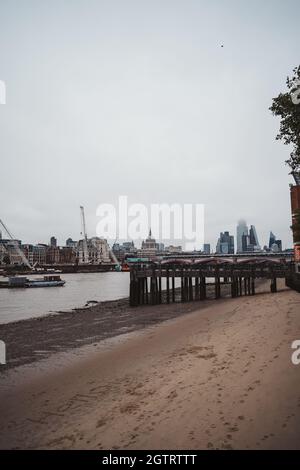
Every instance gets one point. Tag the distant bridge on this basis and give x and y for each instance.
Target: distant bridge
(279, 255)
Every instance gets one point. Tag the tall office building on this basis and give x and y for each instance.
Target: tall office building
(253, 237)
(241, 231)
(225, 245)
(246, 240)
(206, 248)
(53, 242)
(274, 244)
(252, 243)
(245, 243)
(272, 239)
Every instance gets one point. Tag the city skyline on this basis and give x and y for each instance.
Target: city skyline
(93, 233)
(235, 243)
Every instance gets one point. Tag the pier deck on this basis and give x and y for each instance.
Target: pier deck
(240, 274)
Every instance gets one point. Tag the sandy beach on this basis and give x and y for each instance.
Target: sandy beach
(215, 376)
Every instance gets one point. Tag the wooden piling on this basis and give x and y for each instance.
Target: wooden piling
(182, 287)
(159, 289)
(190, 288)
(274, 285)
(186, 289)
(146, 290)
(217, 288)
(233, 287)
(217, 284)
(168, 286)
(134, 289)
(202, 288)
(173, 287)
(152, 288)
(253, 285)
(197, 289)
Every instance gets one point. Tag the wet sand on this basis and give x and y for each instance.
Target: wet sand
(220, 376)
(38, 338)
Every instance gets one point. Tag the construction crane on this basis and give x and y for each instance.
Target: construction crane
(113, 257)
(85, 242)
(16, 246)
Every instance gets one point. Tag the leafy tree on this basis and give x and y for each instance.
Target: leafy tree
(287, 106)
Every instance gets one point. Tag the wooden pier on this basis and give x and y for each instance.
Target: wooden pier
(239, 274)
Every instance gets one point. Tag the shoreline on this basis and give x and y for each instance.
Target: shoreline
(36, 338)
(217, 377)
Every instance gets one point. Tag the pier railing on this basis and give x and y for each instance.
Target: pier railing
(240, 275)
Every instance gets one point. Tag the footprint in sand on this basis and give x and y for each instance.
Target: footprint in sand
(100, 423)
(233, 429)
(129, 408)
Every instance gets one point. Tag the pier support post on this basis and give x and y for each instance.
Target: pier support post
(186, 289)
(146, 290)
(182, 287)
(217, 285)
(197, 290)
(216, 288)
(190, 288)
(274, 285)
(131, 287)
(233, 287)
(156, 291)
(168, 287)
(245, 285)
(202, 288)
(173, 287)
(253, 285)
(238, 287)
(248, 288)
(153, 288)
(140, 291)
(134, 289)
(159, 289)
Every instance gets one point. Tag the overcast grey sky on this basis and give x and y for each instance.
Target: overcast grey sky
(138, 98)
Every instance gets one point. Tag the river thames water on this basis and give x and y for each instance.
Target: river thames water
(19, 304)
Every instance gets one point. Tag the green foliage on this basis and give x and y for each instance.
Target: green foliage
(289, 112)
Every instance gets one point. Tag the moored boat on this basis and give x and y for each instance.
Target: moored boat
(21, 281)
(46, 281)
